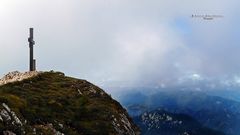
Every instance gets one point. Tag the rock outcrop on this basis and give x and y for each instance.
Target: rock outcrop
(17, 76)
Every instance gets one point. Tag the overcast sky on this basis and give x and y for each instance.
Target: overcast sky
(123, 42)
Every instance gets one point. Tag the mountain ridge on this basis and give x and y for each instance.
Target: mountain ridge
(160, 121)
(211, 111)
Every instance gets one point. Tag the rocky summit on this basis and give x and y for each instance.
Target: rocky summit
(17, 76)
(49, 103)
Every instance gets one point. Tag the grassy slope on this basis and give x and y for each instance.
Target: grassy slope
(54, 98)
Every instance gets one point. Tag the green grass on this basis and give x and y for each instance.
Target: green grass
(53, 98)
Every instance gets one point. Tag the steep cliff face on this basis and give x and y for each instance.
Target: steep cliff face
(50, 103)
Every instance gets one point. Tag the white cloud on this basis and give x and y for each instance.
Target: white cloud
(129, 42)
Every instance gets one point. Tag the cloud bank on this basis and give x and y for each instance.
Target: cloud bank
(122, 42)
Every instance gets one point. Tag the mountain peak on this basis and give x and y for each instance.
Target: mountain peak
(51, 103)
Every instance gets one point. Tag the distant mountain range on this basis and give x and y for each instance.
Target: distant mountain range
(211, 111)
(161, 122)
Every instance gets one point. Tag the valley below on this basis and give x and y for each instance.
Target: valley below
(183, 112)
